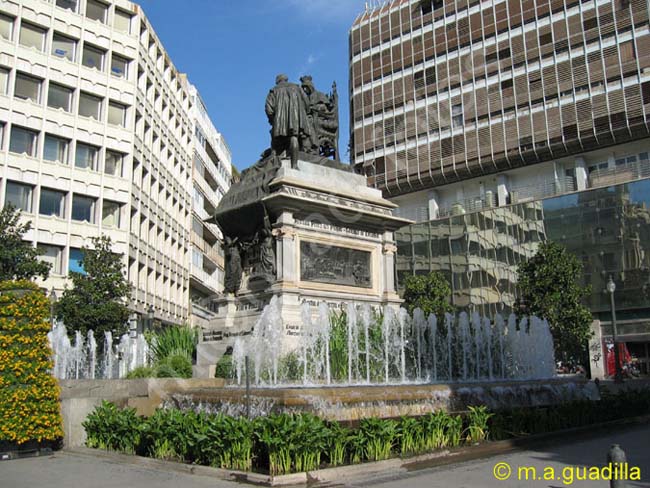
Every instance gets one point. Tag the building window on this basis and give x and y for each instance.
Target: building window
(93, 57)
(546, 39)
(75, 261)
(67, 4)
(28, 88)
(627, 51)
(54, 256)
(32, 36)
(59, 96)
(113, 163)
(63, 46)
(122, 21)
(83, 209)
(96, 10)
(19, 195)
(6, 27)
(23, 141)
(110, 214)
(55, 149)
(119, 66)
(86, 156)
(90, 106)
(52, 203)
(4, 80)
(457, 115)
(117, 114)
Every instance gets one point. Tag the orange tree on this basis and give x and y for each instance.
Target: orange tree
(29, 394)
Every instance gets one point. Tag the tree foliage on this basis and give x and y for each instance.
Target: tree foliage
(550, 288)
(18, 258)
(431, 293)
(99, 295)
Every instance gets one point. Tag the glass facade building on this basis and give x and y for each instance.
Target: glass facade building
(608, 229)
(445, 91)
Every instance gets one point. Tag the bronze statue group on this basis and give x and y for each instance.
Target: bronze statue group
(302, 119)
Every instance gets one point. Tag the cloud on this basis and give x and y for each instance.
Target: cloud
(333, 10)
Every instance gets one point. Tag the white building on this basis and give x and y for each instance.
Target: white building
(212, 175)
(97, 138)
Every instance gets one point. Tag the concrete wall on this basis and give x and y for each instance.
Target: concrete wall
(80, 397)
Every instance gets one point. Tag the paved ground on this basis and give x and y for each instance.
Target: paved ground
(66, 469)
(587, 452)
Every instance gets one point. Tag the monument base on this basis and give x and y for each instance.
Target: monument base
(333, 244)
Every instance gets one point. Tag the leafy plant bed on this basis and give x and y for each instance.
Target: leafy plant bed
(291, 443)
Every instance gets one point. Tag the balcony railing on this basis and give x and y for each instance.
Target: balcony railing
(210, 251)
(621, 173)
(542, 189)
(207, 279)
(469, 205)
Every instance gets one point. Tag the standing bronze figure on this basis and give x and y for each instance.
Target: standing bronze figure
(233, 274)
(291, 129)
(267, 266)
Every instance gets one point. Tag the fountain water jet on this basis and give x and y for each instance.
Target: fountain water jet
(80, 361)
(390, 347)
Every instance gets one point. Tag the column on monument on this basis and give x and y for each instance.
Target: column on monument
(388, 257)
(597, 352)
(286, 248)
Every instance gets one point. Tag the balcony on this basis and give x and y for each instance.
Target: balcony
(210, 251)
(208, 280)
(469, 205)
(207, 191)
(621, 173)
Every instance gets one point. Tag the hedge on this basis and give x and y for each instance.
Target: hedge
(29, 394)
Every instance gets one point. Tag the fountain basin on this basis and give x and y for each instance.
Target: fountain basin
(342, 403)
(352, 403)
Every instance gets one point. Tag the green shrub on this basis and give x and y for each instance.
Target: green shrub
(378, 436)
(174, 341)
(292, 442)
(434, 430)
(113, 429)
(224, 367)
(175, 366)
(478, 424)
(410, 435)
(141, 372)
(338, 440)
(287, 443)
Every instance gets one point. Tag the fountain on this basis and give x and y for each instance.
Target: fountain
(81, 360)
(390, 347)
(356, 361)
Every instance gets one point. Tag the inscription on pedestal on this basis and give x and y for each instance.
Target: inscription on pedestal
(334, 265)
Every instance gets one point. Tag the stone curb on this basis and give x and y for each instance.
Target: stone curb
(389, 467)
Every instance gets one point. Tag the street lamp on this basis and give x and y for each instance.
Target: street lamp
(611, 288)
(53, 298)
(150, 314)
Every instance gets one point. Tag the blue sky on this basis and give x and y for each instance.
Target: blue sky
(232, 51)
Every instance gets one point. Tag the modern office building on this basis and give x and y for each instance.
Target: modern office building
(98, 138)
(496, 124)
(212, 175)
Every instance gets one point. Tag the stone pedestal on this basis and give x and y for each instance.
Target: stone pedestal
(333, 243)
